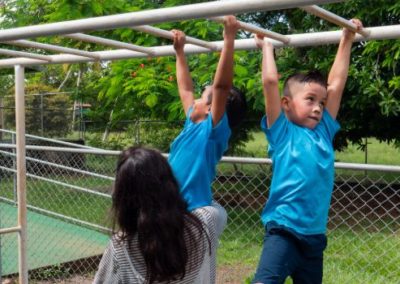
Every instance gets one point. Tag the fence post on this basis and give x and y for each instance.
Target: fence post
(41, 115)
(1, 120)
(1, 268)
(21, 171)
(137, 130)
(14, 166)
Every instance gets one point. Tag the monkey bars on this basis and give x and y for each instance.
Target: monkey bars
(141, 21)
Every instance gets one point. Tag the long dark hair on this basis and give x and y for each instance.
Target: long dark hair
(146, 201)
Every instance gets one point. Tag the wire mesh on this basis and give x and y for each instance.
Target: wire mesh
(68, 203)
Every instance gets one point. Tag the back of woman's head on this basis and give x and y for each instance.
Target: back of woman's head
(147, 203)
(144, 187)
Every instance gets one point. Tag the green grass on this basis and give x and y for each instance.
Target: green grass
(352, 256)
(378, 153)
(257, 147)
(62, 200)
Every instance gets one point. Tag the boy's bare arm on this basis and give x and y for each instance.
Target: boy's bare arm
(224, 75)
(270, 80)
(184, 80)
(338, 75)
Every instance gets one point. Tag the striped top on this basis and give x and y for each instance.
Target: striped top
(125, 264)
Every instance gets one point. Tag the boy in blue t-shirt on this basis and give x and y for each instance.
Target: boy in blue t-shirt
(300, 128)
(199, 147)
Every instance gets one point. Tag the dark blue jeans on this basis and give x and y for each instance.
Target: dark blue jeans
(287, 253)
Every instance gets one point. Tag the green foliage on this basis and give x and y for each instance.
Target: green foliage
(57, 271)
(157, 135)
(152, 134)
(371, 101)
(53, 112)
(138, 88)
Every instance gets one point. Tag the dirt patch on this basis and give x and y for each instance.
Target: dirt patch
(225, 275)
(230, 274)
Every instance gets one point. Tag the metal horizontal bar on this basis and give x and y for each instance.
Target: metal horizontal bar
(40, 94)
(43, 162)
(296, 40)
(110, 42)
(56, 48)
(333, 18)
(10, 230)
(52, 140)
(167, 34)
(16, 53)
(256, 30)
(70, 219)
(225, 159)
(367, 167)
(63, 149)
(77, 188)
(54, 214)
(148, 17)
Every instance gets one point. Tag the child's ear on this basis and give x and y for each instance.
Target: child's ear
(285, 103)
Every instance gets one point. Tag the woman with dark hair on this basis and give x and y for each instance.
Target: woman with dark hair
(156, 239)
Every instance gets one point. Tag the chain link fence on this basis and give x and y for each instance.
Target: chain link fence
(68, 193)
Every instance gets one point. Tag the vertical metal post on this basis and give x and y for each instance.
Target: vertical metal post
(41, 115)
(1, 268)
(1, 141)
(21, 171)
(1, 119)
(14, 166)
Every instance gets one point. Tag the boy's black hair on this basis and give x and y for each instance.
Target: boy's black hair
(313, 76)
(236, 107)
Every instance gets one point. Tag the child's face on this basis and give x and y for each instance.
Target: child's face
(306, 104)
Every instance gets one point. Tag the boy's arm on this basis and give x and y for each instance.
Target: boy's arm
(270, 80)
(338, 75)
(184, 80)
(224, 75)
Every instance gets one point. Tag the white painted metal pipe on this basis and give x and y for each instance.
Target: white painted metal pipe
(60, 166)
(111, 43)
(333, 18)
(297, 40)
(67, 185)
(56, 48)
(10, 230)
(167, 34)
(16, 53)
(21, 171)
(53, 140)
(148, 17)
(61, 216)
(338, 165)
(93, 151)
(70, 219)
(256, 30)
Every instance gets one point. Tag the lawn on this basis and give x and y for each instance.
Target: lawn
(377, 152)
(354, 254)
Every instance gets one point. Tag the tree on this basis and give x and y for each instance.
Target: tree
(44, 114)
(371, 101)
(146, 88)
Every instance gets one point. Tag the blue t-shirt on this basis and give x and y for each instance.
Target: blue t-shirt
(303, 174)
(194, 155)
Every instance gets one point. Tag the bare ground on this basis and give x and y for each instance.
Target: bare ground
(225, 275)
